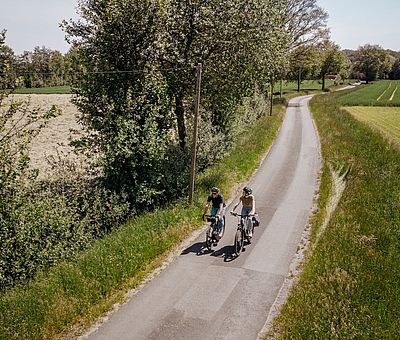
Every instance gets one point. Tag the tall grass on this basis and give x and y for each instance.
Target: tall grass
(79, 291)
(350, 285)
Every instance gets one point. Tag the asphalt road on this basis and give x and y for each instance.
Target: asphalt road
(217, 296)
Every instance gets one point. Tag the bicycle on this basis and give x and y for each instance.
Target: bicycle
(245, 225)
(214, 233)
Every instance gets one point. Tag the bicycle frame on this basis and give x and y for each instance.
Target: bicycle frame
(212, 237)
(244, 223)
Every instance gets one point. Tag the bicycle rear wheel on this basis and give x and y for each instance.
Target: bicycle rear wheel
(238, 245)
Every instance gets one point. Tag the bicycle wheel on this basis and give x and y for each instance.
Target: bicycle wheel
(209, 240)
(238, 245)
(222, 231)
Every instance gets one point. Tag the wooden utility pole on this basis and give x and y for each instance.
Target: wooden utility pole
(194, 141)
(272, 98)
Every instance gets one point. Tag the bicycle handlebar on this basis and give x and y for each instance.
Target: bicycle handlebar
(236, 214)
(206, 215)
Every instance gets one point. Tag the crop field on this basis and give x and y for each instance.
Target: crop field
(381, 93)
(53, 141)
(384, 119)
(44, 90)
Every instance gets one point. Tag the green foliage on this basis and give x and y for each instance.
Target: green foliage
(87, 287)
(349, 288)
(372, 61)
(43, 223)
(136, 97)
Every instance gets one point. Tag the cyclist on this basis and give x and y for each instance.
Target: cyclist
(248, 206)
(217, 206)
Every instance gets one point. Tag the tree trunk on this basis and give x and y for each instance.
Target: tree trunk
(298, 80)
(180, 119)
(323, 82)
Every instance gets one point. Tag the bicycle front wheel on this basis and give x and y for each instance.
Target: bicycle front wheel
(209, 238)
(238, 245)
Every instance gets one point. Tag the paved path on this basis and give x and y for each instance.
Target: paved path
(215, 296)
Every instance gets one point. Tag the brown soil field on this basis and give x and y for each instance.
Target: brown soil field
(54, 139)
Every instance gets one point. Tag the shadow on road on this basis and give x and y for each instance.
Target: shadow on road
(195, 248)
(199, 248)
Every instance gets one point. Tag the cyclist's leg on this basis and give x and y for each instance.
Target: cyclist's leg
(246, 211)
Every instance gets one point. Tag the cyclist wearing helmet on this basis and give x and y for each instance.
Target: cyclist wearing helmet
(217, 206)
(248, 205)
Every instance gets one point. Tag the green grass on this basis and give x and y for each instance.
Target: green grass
(306, 85)
(384, 119)
(79, 292)
(349, 288)
(381, 93)
(44, 90)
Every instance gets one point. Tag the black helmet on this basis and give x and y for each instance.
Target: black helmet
(247, 190)
(215, 189)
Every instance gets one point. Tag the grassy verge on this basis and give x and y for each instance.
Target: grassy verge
(350, 285)
(78, 292)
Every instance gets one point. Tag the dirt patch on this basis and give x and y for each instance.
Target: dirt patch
(53, 141)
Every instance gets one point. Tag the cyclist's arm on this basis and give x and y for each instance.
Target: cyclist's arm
(253, 209)
(221, 206)
(206, 207)
(236, 205)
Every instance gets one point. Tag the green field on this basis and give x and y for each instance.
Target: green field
(385, 119)
(306, 85)
(381, 93)
(44, 90)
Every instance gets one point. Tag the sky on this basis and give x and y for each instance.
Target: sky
(353, 23)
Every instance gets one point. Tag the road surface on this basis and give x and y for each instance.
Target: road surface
(217, 296)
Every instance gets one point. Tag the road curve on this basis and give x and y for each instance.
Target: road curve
(216, 296)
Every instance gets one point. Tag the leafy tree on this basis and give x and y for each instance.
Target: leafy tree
(371, 61)
(332, 60)
(305, 22)
(7, 60)
(304, 63)
(139, 81)
(395, 71)
(122, 95)
(238, 44)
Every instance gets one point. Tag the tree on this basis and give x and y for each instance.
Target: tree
(305, 22)
(371, 61)
(332, 60)
(138, 59)
(395, 71)
(304, 63)
(7, 60)
(122, 95)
